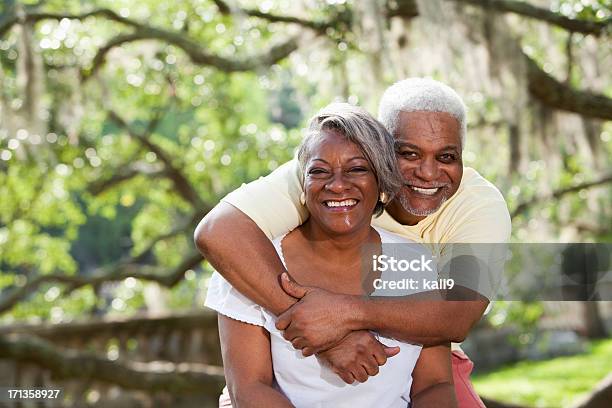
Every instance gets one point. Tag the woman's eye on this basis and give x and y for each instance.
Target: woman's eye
(447, 158)
(359, 169)
(316, 171)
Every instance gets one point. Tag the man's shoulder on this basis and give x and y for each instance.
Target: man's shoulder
(477, 213)
(474, 184)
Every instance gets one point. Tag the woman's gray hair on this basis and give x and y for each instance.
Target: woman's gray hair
(361, 128)
(421, 94)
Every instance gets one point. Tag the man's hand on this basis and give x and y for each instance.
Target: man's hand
(357, 356)
(318, 321)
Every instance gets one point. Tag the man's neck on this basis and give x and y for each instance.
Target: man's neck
(399, 214)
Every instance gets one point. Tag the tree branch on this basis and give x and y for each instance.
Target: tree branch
(11, 19)
(196, 52)
(187, 225)
(181, 183)
(523, 206)
(557, 95)
(525, 9)
(192, 48)
(105, 274)
(319, 26)
(124, 174)
(71, 364)
(543, 86)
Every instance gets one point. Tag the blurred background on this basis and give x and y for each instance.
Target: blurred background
(122, 123)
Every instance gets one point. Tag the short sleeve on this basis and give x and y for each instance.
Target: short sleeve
(226, 300)
(476, 253)
(273, 201)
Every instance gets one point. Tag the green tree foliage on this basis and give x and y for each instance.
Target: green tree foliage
(120, 129)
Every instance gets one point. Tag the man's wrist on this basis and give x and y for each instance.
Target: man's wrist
(359, 313)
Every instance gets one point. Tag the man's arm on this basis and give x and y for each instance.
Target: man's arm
(235, 236)
(310, 327)
(428, 322)
(432, 384)
(235, 246)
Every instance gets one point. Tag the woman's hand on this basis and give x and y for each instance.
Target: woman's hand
(357, 357)
(319, 320)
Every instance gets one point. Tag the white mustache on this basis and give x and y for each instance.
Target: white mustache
(436, 185)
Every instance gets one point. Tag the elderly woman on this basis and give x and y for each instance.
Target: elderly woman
(349, 173)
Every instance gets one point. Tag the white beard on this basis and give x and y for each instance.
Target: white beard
(417, 211)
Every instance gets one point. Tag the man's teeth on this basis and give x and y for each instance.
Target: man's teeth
(345, 203)
(426, 191)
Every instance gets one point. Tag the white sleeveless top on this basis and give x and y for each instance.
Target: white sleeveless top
(304, 380)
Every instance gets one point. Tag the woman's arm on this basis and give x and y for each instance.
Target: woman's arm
(432, 379)
(247, 362)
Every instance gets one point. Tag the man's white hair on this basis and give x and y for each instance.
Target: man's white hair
(421, 94)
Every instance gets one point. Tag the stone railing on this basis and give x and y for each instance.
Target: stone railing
(137, 362)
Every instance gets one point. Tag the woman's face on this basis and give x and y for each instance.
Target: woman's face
(340, 186)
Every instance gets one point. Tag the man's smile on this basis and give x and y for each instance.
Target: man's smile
(426, 191)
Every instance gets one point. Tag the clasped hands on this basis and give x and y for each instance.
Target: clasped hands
(326, 324)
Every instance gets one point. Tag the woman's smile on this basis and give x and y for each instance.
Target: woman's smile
(341, 205)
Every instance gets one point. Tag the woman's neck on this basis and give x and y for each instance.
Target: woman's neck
(316, 257)
(337, 246)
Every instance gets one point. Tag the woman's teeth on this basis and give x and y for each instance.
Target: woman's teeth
(345, 203)
(426, 191)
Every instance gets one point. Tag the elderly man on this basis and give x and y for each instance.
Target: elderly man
(441, 203)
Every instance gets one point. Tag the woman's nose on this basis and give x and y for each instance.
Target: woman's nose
(338, 182)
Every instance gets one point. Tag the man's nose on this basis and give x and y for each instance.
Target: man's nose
(338, 182)
(427, 169)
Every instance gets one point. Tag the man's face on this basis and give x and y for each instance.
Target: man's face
(428, 146)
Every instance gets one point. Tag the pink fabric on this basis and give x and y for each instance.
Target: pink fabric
(462, 368)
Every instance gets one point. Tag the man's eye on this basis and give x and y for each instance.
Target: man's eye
(408, 154)
(447, 158)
